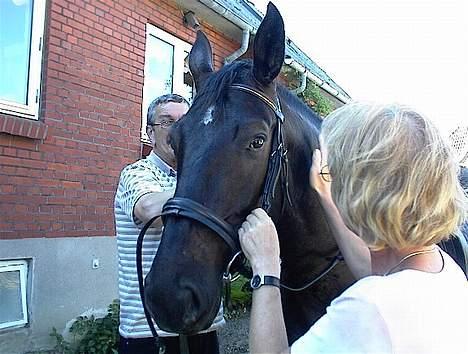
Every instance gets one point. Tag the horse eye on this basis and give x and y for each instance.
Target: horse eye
(257, 143)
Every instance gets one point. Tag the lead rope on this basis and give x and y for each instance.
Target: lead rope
(184, 348)
(141, 288)
(337, 259)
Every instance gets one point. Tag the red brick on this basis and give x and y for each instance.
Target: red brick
(9, 151)
(67, 13)
(93, 84)
(57, 9)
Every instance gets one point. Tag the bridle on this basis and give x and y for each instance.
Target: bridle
(277, 170)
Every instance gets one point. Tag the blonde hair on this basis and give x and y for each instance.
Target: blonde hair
(394, 176)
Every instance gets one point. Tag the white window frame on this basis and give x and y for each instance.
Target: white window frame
(31, 110)
(180, 48)
(21, 266)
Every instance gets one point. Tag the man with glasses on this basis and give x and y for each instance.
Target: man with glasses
(144, 187)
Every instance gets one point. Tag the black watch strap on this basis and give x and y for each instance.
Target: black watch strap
(258, 280)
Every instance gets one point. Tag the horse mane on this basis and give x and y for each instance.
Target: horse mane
(213, 89)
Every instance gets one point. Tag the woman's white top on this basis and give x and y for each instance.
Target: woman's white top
(406, 312)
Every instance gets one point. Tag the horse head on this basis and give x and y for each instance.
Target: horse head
(223, 146)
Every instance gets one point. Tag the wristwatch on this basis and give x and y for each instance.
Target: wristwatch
(258, 280)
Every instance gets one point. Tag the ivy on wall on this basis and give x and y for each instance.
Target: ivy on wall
(311, 96)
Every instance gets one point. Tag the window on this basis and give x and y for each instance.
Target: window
(21, 29)
(166, 69)
(13, 280)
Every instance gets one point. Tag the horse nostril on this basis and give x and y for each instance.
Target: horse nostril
(191, 311)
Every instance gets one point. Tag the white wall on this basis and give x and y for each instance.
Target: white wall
(62, 285)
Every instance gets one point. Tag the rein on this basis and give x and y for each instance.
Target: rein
(277, 170)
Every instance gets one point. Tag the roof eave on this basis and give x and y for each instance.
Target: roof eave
(232, 16)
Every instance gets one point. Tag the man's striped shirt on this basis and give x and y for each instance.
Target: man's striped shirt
(150, 175)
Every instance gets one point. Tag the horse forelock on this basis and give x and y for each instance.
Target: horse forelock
(213, 90)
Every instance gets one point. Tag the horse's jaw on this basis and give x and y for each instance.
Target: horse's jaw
(182, 288)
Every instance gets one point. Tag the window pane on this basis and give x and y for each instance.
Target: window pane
(159, 69)
(10, 297)
(15, 43)
(188, 79)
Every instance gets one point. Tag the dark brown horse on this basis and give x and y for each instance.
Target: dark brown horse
(223, 145)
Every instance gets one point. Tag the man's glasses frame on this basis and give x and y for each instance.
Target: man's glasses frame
(163, 124)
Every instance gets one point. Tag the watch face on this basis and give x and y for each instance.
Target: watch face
(255, 282)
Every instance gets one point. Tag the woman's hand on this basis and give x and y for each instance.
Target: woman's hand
(353, 249)
(317, 182)
(259, 241)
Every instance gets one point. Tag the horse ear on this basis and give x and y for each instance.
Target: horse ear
(269, 47)
(200, 59)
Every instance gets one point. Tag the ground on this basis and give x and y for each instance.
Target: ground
(234, 336)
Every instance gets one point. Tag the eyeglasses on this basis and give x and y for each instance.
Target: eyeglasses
(164, 124)
(325, 173)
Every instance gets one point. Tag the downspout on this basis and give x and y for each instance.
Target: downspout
(303, 84)
(246, 28)
(243, 48)
(320, 83)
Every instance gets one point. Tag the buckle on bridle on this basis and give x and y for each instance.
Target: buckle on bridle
(227, 276)
(228, 279)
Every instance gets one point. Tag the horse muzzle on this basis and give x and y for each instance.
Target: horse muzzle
(184, 304)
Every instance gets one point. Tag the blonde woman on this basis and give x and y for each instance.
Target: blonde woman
(390, 191)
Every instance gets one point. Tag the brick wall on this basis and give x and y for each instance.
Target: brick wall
(60, 181)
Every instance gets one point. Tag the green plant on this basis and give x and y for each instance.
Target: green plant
(311, 96)
(314, 99)
(61, 346)
(91, 334)
(241, 297)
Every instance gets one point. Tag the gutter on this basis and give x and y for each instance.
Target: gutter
(242, 24)
(319, 82)
(224, 12)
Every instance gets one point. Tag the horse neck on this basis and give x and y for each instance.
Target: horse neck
(305, 237)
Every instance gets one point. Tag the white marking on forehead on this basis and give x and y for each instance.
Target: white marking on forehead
(208, 118)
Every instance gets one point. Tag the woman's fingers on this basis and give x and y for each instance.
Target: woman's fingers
(259, 242)
(258, 230)
(317, 160)
(320, 184)
(260, 213)
(314, 173)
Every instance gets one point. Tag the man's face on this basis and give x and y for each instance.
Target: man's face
(165, 115)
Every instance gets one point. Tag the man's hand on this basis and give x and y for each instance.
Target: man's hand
(150, 205)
